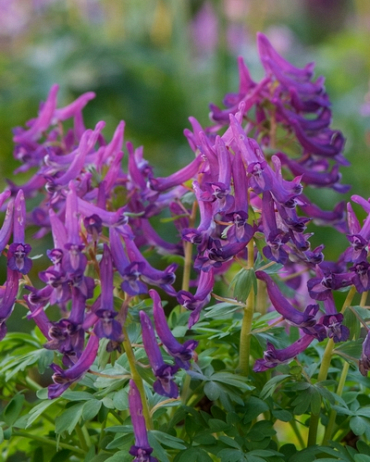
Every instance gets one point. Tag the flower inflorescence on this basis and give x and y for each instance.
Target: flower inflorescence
(247, 190)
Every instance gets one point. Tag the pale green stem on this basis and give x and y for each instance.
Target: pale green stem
(81, 438)
(188, 252)
(245, 332)
(45, 440)
(323, 373)
(333, 413)
(137, 378)
(297, 433)
(245, 339)
(363, 298)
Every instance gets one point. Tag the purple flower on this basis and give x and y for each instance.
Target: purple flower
(273, 357)
(6, 229)
(43, 120)
(333, 321)
(64, 378)
(107, 326)
(182, 353)
(17, 257)
(7, 299)
(306, 320)
(164, 385)
(18, 251)
(141, 450)
(202, 296)
(361, 278)
(320, 287)
(180, 177)
(148, 274)
(364, 363)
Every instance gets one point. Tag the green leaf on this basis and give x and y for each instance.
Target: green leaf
(69, 419)
(120, 456)
(120, 441)
(221, 309)
(283, 415)
(270, 386)
(351, 348)
(217, 425)
(42, 394)
(108, 403)
(363, 448)
(168, 440)
(315, 401)
(264, 453)
(193, 455)
(77, 395)
(13, 409)
(364, 411)
(120, 400)
(36, 411)
(261, 430)
(159, 452)
(234, 380)
(212, 391)
(229, 441)
(45, 359)
(350, 320)
(358, 425)
(231, 455)
(90, 409)
(243, 283)
(362, 458)
(205, 439)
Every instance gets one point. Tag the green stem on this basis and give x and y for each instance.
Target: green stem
(297, 433)
(323, 373)
(188, 252)
(185, 389)
(245, 338)
(81, 438)
(245, 332)
(333, 413)
(32, 384)
(137, 378)
(45, 440)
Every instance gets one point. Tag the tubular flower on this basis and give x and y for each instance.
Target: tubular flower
(182, 353)
(273, 357)
(107, 326)
(64, 378)
(18, 251)
(141, 449)
(164, 385)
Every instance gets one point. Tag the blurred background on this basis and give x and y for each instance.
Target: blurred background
(153, 63)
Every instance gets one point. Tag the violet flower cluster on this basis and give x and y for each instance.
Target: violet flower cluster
(77, 178)
(246, 188)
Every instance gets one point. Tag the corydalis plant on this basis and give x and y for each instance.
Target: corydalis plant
(247, 193)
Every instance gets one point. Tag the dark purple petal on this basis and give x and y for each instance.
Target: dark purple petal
(17, 257)
(141, 449)
(64, 378)
(181, 352)
(273, 357)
